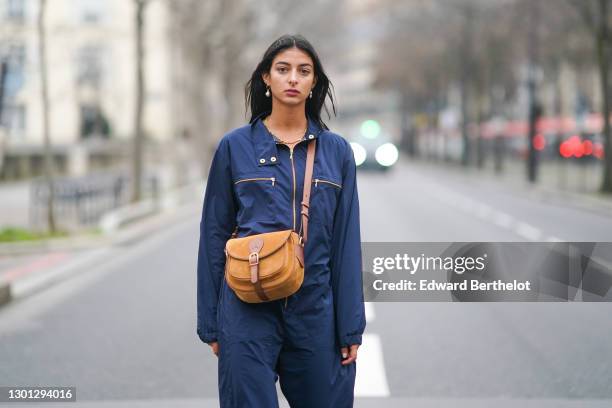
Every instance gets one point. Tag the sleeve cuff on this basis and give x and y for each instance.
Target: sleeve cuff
(208, 336)
(350, 340)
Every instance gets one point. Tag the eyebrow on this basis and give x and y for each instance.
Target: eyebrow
(301, 65)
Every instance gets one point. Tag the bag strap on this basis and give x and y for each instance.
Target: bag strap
(307, 184)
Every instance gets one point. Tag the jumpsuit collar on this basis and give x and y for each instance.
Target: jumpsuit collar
(266, 144)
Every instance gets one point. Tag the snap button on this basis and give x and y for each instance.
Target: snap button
(311, 136)
(272, 159)
(262, 160)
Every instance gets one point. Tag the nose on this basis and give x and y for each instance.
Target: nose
(293, 78)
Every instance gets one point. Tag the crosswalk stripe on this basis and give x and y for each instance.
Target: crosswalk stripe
(371, 378)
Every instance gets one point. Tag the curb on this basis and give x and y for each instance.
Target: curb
(28, 285)
(56, 244)
(137, 222)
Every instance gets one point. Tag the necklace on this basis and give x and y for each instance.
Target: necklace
(283, 141)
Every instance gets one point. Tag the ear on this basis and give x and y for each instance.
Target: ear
(266, 78)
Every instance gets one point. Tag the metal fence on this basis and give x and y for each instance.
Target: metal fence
(81, 202)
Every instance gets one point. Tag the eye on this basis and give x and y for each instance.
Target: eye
(305, 71)
(281, 69)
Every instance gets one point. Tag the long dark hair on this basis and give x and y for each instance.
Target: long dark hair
(255, 88)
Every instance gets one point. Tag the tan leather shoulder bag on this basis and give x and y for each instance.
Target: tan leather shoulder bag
(270, 266)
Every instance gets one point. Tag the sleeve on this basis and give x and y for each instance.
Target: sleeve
(216, 226)
(346, 263)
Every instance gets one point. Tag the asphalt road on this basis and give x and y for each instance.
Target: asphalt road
(122, 330)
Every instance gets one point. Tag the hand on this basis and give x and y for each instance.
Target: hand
(215, 347)
(349, 356)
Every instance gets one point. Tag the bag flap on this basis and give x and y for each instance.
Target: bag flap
(238, 248)
(269, 266)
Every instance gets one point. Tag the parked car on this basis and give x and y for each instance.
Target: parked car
(373, 148)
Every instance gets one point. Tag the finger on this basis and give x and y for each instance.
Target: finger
(215, 348)
(347, 361)
(352, 355)
(354, 351)
(344, 352)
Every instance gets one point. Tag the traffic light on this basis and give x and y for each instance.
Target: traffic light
(370, 129)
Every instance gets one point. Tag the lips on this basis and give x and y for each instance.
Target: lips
(292, 92)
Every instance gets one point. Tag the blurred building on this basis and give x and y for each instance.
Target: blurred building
(91, 76)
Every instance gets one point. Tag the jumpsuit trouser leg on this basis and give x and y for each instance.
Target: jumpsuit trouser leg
(247, 375)
(313, 379)
(306, 363)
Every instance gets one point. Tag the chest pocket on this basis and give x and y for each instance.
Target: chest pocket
(256, 196)
(325, 192)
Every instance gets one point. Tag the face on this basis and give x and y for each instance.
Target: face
(291, 77)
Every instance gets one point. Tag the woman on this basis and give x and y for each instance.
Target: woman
(310, 339)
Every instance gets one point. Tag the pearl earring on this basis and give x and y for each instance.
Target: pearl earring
(268, 91)
(310, 94)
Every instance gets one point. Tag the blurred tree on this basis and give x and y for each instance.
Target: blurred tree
(595, 15)
(3, 75)
(412, 59)
(434, 47)
(44, 89)
(534, 13)
(550, 42)
(492, 72)
(490, 59)
(210, 36)
(137, 164)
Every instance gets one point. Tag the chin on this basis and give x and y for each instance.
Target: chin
(291, 101)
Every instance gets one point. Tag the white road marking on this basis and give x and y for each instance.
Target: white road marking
(371, 378)
(465, 204)
(483, 210)
(528, 231)
(369, 312)
(503, 220)
(486, 212)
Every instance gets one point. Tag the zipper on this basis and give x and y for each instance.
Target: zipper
(293, 175)
(272, 179)
(294, 190)
(317, 181)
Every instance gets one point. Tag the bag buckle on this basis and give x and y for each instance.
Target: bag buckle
(253, 258)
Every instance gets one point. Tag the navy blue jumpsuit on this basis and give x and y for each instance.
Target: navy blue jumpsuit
(255, 184)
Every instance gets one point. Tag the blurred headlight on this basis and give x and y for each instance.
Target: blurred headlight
(386, 154)
(360, 153)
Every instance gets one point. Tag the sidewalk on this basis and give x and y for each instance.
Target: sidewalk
(26, 267)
